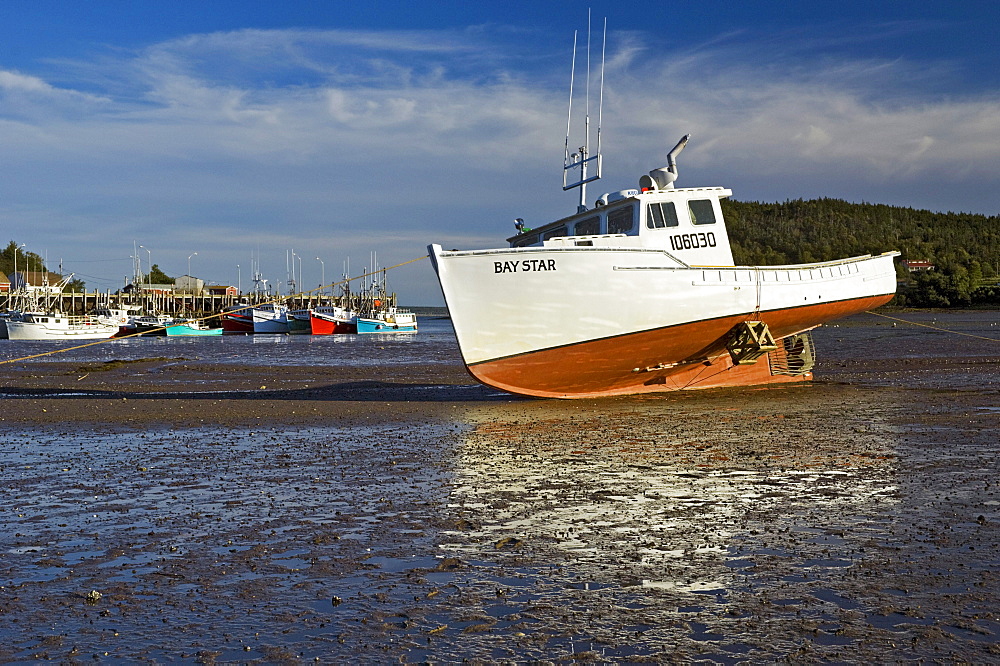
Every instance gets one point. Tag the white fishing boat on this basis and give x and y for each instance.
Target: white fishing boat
(270, 318)
(640, 293)
(146, 325)
(58, 326)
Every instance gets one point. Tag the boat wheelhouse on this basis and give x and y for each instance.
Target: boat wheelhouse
(686, 222)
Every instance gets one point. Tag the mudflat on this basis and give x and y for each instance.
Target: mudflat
(174, 509)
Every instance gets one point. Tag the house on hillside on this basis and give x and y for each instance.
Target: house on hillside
(918, 265)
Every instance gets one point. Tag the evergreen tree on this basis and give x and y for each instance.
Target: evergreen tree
(156, 276)
(964, 247)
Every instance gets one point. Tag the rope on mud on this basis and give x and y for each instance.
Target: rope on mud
(163, 328)
(936, 328)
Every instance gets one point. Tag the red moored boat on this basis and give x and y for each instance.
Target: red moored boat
(332, 320)
(237, 320)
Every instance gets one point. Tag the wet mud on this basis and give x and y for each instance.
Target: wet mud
(377, 513)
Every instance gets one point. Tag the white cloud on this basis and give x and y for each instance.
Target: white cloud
(15, 81)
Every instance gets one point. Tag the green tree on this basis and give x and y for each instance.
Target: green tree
(156, 276)
(25, 261)
(964, 247)
(75, 285)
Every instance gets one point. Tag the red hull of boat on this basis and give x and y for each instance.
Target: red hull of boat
(322, 326)
(236, 324)
(688, 356)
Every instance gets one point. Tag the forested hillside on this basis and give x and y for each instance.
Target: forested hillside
(964, 248)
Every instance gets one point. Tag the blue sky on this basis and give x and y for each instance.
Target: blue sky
(245, 131)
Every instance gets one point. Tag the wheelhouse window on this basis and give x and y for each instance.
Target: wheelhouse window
(701, 211)
(589, 227)
(661, 214)
(525, 241)
(552, 233)
(621, 220)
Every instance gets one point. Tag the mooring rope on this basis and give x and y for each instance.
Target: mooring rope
(936, 328)
(163, 328)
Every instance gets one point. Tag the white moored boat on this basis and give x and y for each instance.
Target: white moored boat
(270, 318)
(639, 294)
(57, 326)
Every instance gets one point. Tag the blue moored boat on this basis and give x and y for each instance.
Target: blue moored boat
(388, 321)
(191, 327)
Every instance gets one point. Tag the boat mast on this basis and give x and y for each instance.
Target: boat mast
(582, 158)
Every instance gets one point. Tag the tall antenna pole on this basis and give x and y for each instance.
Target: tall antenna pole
(600, 105)
(585, 148)
(582, 158)
(569, 112)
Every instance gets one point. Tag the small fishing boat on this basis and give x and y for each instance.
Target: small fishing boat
(332, 320)
(51, 326)
(270, 318)
(377, 311)
(237, 319)
(299, 322)
(191, 327)
(146, 325)
(390, 320)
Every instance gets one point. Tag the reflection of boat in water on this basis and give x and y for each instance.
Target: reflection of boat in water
(683, 509)
(640, 293)
(191, 327)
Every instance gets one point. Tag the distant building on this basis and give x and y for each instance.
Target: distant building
(189, 285)
(4, 284)
(159, 289)
(221, 290)
(918, 265)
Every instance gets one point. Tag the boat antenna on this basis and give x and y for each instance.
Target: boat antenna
(582, 158)
(569, 112)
